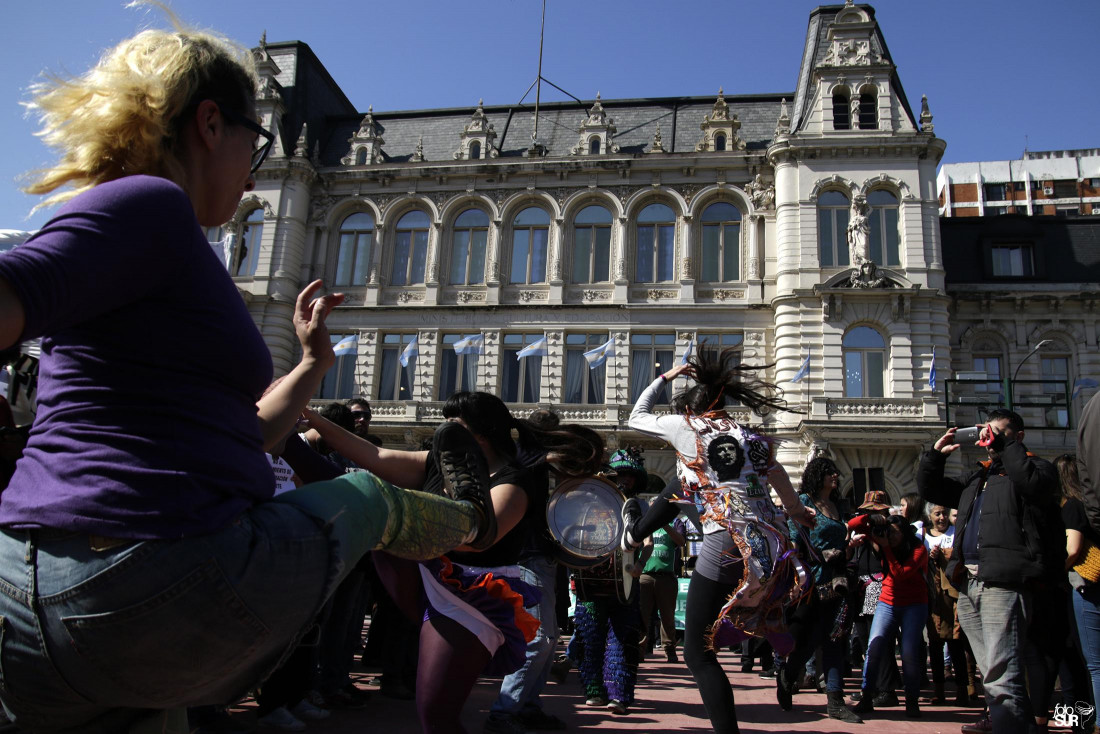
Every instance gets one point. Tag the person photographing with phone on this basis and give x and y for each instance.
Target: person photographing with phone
(999, 553)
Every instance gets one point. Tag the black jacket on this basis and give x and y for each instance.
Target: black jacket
(1021, 537)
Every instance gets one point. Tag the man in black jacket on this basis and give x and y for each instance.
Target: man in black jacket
(999, 550)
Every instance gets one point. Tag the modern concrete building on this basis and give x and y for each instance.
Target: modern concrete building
(800, 226)
(1053, 182)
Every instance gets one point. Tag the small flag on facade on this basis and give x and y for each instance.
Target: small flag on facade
(347, 345)
(1081, 383)
(473, 344)
(410, 352)
(537, 348)
(687, 354)
(803, 370)
(596, 357)
(932, 372)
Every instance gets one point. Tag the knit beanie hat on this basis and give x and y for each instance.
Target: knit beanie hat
(630, 460)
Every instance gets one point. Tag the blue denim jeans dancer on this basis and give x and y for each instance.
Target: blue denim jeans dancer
(1086, 609)
(995, 620)
(519, 691)
(884, 630)
(97, 636)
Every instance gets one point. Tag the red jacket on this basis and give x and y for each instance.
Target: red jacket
(905, 583)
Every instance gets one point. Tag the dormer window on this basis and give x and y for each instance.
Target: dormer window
(842, 114)
(361, 157)
(1012, 261)
(719, 142)
(594, 146)
(475, 150)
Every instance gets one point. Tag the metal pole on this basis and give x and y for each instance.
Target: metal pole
(1038, 346)
(538, 80)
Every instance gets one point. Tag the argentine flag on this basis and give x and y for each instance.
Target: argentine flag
(410, 352)
(537, 348)
(1081, 383)
(596, 357)
(803, 370)
(687, 354)
(932, 372)
(347, 345)
(473, 344)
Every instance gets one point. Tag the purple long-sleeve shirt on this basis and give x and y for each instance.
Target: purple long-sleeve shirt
(150, 371)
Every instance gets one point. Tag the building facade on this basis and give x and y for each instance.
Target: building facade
(800, 227)
(1053, 182)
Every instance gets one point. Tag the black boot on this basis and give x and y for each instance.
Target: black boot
(466, 477)
(837, 709)
(912, 708)
(866, 702)
(784, 689)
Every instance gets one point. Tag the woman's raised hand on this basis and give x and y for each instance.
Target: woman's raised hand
(680, 369)
(309, 321)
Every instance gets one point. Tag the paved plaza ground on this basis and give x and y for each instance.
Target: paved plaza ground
(666, 702)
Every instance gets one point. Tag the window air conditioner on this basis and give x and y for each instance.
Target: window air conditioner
(1048, 190)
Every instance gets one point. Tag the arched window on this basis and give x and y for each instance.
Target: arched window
(361, 157)
(410, 249)
(656, 228)
(868, 110)
(842, 110)
(833, 208)
(883, 242)
(475, 150)
(592, 245)
(248, 251)
(594, 146)
(468, 249)
(719, 142)
(354, 256)
(721, 261)
(864, 363)
(530, 233)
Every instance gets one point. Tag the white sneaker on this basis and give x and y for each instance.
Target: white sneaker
(281, 719)
(306, 711)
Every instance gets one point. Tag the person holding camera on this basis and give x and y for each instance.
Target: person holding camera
(826, 620)
(999, 553)
(902, 602)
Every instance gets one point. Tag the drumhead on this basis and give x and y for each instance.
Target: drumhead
(585, 517)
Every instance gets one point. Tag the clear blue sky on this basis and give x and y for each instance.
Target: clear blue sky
(994, 71)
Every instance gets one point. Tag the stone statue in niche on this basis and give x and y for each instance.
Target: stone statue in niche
(859, 230)
(761, 194)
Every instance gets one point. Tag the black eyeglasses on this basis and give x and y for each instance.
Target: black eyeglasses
(259, 154)
(360, 415)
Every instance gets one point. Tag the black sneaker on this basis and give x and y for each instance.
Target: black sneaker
(466, 477)
(536, 719)
(504, 724)
(632, 513)
(784, 691)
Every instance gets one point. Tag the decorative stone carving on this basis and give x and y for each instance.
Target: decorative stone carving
(656, 146)
(685, 268)
(754, 268)
(852, 52)
(685, 336)
(418, 154)
(761, 194)
(830, 309)
(886, 407)
(620, 269)
(926, 125)
(866, 276)
(480, 131)
(373, 278)
(859, 230)
(319, 207)
(528, 296)
(725, 294)
(720, 129)
(783, 124)
(657, 294)
(597, 131)
(470, 296)
(366, 144)
(591, 295)
(301, 148)
(408, 296)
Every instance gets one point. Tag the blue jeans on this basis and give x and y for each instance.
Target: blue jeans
(521, 689)
(995, 620)
(1086, 609)
(92, 640)
(884, 630)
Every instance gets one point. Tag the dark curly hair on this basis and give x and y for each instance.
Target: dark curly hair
(571, 449)
(721, 375)
(813, 476)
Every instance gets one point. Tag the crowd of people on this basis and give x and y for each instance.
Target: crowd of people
(159, 559)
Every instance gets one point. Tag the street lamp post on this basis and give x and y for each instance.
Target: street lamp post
(1010, 390)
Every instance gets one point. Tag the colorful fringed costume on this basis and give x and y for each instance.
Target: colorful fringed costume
(723, 469)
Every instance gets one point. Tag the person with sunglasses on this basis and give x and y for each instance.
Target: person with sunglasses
(144, 563)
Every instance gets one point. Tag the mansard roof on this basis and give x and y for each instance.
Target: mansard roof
(815, 50)
(1066, 249)
(559, 125)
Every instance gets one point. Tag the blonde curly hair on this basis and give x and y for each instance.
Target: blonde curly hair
(125, 115)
